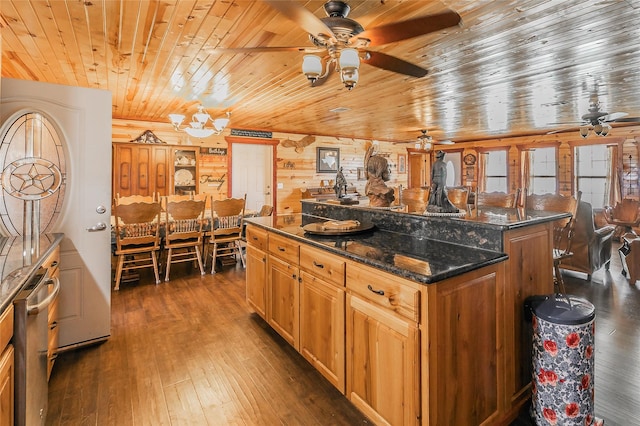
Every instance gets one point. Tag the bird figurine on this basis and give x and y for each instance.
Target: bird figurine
(299, 145)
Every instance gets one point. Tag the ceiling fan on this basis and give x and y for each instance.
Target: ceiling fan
(597, 120)
(426, 141)
(344, 42)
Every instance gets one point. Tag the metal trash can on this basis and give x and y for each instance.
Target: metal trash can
(562, 360)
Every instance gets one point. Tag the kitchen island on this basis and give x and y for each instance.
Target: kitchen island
(419, 320)
(20, 260)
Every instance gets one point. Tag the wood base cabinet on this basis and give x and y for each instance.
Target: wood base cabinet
(284, 300)
(256, 267)
(52, 264)
(383, 346)
(462, 352)
(322, 307)
(299, 291)
(7, 365)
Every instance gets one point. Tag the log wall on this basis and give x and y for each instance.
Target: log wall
(297, 170)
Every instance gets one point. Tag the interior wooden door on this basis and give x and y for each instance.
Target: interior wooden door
(418, 168)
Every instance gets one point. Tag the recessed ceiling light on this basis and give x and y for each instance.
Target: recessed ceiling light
(339, 109)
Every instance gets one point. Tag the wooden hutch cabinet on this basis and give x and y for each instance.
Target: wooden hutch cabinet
(148, 169)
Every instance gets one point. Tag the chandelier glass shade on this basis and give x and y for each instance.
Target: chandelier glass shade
(197, 128)
(348, 62)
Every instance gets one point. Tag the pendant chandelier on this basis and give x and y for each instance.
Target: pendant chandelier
(197, 128)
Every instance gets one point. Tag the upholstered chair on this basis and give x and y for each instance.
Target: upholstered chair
(591, 246)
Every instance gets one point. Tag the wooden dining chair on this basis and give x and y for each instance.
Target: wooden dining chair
(265, 210)
(128, 199)
(137, 236)
(226, 235)
(415, 199)
(562, 229)
(184, 232)
(498, 199)
(459, 197)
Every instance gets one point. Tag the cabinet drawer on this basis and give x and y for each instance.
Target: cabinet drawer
(257, 237)
(52, 261)
(284, 248)
(322, 264)
(384, 289)
(6, 327)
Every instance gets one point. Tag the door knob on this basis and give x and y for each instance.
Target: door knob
(100, 226)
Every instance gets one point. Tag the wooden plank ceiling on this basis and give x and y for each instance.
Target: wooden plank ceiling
(513, 67)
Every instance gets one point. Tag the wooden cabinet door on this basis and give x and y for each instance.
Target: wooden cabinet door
(256, 276)
(530, 272)
(322, 330)
(283, 299)
(160, 170)
(123, 172)
(140, 169)
(383, 370)
(6, 386)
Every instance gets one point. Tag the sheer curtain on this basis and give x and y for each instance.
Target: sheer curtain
(482, 171)
(613, 191)
(525, 174)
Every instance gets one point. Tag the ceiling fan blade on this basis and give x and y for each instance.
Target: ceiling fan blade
(445, 142)
(301, 16)
(266, 49)
(627, 120)
(614, 116)
(410, 28)
(391, 63)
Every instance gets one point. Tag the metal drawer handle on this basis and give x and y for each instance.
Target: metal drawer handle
(318, 265)
(254, 238)
(54, 263)
(281, 248)
(380, 292)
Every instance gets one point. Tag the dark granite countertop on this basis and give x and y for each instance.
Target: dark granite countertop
(482, 228)
(20, 257)
(422, 260)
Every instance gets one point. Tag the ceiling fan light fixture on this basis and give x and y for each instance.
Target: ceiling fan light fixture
(349, 64)
(349, 59)
(349, 77)
(605, 129)
(597, 129)
(584, 131)
(312, 67)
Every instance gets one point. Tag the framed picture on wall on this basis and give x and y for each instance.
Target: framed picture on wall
(327, 160)
(402, 163)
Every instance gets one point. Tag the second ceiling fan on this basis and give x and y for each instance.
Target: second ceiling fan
(343, 42)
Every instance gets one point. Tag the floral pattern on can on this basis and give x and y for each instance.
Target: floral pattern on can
(562, 376)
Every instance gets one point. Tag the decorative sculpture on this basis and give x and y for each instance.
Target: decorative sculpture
(438, 200)
(377, 173)
(341, 184)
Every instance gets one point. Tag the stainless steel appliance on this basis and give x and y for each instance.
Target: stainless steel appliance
(30, 341)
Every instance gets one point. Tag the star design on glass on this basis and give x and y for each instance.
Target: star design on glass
(31, 178)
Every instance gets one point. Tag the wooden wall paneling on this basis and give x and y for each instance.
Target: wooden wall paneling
(214, 175)
(297, 170)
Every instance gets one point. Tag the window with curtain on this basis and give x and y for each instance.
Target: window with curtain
(543, 171)
(495, 178)
(591, 170)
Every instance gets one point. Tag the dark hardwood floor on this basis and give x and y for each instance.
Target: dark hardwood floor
(191, 352)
